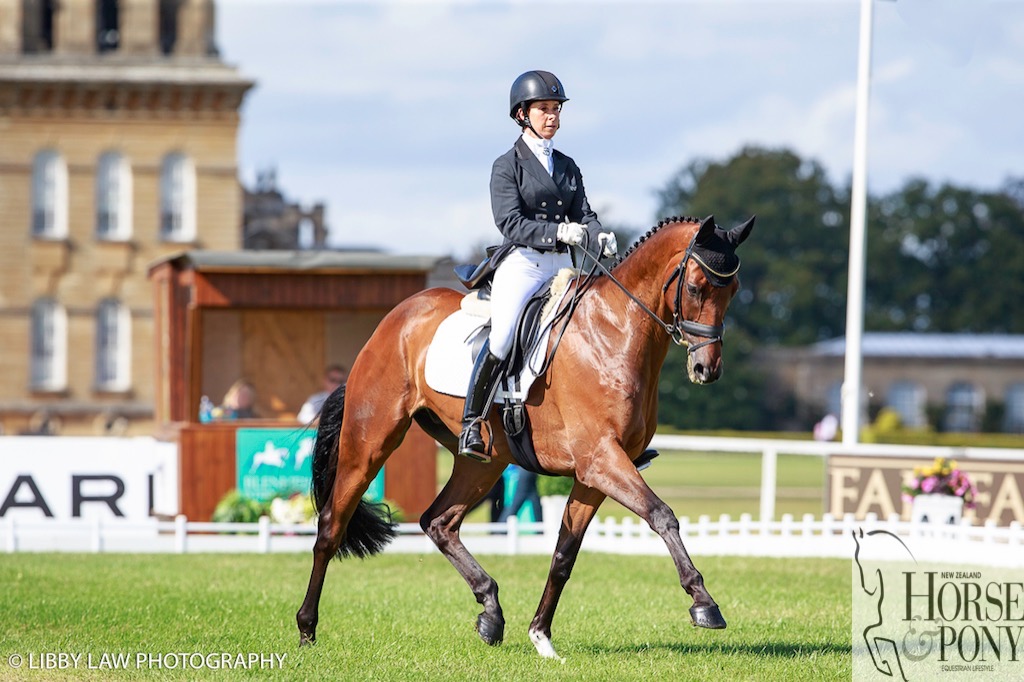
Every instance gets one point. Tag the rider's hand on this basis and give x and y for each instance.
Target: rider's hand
(607, 240)
(571, 233)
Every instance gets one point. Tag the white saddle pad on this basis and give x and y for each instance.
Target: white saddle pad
(450, 355)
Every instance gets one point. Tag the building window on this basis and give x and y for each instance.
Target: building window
(113, 197)
(108, 33)
(49, 196)
(908, 400)
(1013, 421)
(49, 346)
(113, 346)
(168, 25)
(964, 407)
(37, 20)
(177, 199)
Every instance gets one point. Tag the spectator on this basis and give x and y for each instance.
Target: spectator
(334, 376)
(525, 492)
(239, 401)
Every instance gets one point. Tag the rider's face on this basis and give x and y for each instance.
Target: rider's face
(544, 116)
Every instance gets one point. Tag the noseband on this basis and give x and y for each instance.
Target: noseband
(679, 327)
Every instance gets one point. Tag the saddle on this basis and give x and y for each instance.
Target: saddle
(528, 331)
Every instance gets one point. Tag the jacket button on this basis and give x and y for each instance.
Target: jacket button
(559, 202)
(544, 203)
(557, 216)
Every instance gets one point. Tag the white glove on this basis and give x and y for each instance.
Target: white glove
(571, 233)
(611, 247)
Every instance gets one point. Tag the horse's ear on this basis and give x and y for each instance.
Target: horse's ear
(738, 235)
(706, 231)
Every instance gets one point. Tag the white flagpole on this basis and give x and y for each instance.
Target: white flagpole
(851, 390)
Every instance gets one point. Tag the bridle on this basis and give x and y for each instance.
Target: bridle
(679, 327)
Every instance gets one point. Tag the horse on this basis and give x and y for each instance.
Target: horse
(593, 412)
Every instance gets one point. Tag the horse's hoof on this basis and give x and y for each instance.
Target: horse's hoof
(707, 617)
(490, 629)
(306, 640)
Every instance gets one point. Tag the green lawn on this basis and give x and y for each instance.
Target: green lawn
(410, 617)
(693, 484)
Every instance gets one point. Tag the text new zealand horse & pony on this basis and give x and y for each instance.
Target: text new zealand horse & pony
(592, 413)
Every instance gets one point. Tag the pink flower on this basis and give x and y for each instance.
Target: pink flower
(928, 484)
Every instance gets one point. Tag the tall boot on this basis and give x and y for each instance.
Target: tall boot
(478, 398)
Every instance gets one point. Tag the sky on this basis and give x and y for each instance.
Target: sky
(391, 113)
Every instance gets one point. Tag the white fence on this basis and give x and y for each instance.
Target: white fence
(770, 450)
(808, 537)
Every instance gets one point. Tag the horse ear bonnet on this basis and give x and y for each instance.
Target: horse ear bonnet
(716, 255)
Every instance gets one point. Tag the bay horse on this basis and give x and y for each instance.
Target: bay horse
(593, 412)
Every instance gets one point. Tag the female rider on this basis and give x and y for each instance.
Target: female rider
(540, 206)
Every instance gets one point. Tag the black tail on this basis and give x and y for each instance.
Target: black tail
(370, 529)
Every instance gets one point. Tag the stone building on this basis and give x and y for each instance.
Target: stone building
(118, 146)
(948, 382)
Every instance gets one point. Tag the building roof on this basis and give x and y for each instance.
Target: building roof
(292, 261)
(82, 71)
(918, 345)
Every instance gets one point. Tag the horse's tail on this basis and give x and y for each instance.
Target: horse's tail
(370, 529)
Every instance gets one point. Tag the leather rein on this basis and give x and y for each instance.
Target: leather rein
(678, 327)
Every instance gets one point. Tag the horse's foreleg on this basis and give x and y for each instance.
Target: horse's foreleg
(579, 511)
(624, 484)
(469, 483)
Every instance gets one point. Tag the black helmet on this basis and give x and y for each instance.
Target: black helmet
(534, 86)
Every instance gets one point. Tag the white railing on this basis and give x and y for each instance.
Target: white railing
(807, 537)
(770, 450)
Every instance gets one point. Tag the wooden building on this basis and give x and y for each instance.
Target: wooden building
(276, 318)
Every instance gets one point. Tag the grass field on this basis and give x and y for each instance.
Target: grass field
(694, 483)
(410, 617)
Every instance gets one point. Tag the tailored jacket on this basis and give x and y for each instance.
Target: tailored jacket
(528, 204)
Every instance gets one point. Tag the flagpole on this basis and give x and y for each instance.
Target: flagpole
(851, 391)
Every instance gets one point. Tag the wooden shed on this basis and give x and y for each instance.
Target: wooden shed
(277, 319)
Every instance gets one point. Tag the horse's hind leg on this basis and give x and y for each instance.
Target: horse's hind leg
(579, 511)
(469, 483)
(358, 463)
(624, 484)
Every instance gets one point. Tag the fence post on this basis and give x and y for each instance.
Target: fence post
(180, 534)
(512, 539)
(264, 534)
(97, 536)
(12, 536)
(769, 458)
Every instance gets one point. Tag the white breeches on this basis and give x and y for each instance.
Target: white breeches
(517, 278)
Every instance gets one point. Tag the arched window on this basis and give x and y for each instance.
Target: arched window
(964, 407)
(49, 345)
(177, 199)
(49, 196)
(113, 346)
(908, 400)
(1013, 421)
(113, 197)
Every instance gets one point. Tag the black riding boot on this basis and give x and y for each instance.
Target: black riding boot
(478, 396)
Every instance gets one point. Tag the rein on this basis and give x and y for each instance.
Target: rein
(676, 330)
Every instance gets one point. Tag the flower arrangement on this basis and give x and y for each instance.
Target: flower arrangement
(943, 477)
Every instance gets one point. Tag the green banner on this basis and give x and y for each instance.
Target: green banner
(273, 463)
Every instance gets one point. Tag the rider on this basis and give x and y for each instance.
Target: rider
(540, 206)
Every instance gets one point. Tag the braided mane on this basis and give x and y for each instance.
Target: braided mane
(650, 233)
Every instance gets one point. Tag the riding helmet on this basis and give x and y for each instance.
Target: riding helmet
(534, 86)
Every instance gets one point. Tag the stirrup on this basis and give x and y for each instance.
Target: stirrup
(464, 451)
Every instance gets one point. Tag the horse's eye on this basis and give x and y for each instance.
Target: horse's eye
(692, 289)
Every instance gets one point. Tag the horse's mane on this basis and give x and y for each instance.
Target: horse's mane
(651, 232)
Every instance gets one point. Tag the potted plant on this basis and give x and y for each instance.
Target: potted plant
(939, 493)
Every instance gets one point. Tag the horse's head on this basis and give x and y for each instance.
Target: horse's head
(699, 284)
